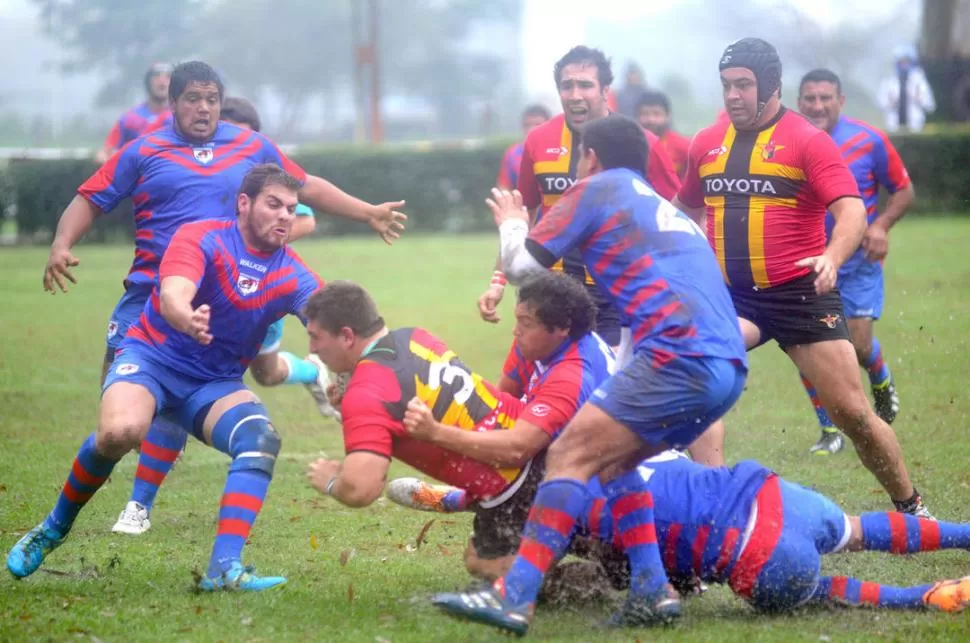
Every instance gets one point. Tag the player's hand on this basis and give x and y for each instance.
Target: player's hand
(506, 206)
(419, 421)
(488, 303)
(58, 269)
(320, 471)
(386, 221)
(199, 325)
(875, 243)
(826, 272)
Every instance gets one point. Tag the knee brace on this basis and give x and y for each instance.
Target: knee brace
(245, 433)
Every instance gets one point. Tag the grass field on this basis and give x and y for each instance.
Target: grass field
(356, 575)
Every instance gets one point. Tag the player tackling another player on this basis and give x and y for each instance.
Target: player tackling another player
(221, 284)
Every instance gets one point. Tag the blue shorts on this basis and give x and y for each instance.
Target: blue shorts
(672, 404)
(791, 528)
(273, 339)
(177, 396)
(862, 289)
(126, 313)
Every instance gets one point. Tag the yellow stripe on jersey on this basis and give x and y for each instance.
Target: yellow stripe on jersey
(716, 203)
(425, 393)
(756, 236)
(561, 164)
(720, 162)
(760, 160)
(429, 355)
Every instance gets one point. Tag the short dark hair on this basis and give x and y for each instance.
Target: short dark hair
(194, 71)
(619, 141)
(821, 75)
(536, 109)
(157, 69)
(344, 304)
(240, 110)
(653, 98)
(265, 174)
(586, 55)
(559, 301)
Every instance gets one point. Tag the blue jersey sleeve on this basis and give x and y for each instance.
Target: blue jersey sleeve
(115, 180)
(272, 154)
(569, 222)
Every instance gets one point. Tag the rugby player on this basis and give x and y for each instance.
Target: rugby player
(688, 367)
(763, 181)
(653, 114)
(137, 120)
(222, 283)
(508, 173)
(874, 162)
(409, 397)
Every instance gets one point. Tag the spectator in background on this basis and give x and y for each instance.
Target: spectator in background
(139, 119)
(653, 113)
(633, 88)
(906, 97)
(508, 173)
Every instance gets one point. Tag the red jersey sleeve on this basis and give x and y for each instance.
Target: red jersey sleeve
(691, 193)
(661, 174)
(555, 399)
(184, 256)
(528, 186)
(368, 425)
(113, 142)
(826, 170)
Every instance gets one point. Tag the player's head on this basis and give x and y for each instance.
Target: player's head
(267, 206)
(614, 142)
(156, 82)
(241, 112)
(583, 77)
(820, 98)
(750, 81)
(195, 97)
(342, 319)
(551, 307)
(653, 111)
(533, 116)
(634, 75)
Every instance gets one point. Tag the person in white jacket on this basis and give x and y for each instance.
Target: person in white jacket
(906, 110)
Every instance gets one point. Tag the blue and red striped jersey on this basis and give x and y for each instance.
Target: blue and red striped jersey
(555, 388)
(650, 260)
(873, 161)
(246, 290)
(508, 171)
(132, 124)
(172, 181)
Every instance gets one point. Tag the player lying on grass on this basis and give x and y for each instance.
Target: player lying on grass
(758, 533)
(222, 283)
(490, 444)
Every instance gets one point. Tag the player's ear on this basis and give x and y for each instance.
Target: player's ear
(243, 203)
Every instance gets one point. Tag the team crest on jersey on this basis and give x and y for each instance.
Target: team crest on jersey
(830, 320)
(559, 151)
(126, 369)
(716, 152)
(112, 328)
(768, 151)
(202, 154)
(541, 410)
(247, 285)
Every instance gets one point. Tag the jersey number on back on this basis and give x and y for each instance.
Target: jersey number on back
(669, 218)
(443, 372)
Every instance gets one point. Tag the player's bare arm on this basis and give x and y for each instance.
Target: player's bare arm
(175, 302)
(508, 385)
(512, 448)
(489, 300)
(876, 239)
(383, 218)
(302, 227)
(77, 219)
(850, 225)
(356, 482)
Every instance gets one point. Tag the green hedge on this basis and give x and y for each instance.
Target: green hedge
(444, 185)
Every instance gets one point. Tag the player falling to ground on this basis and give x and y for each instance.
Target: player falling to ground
(508, 172)
(554, 365)
(874, 162)
(688, 367)
(409, 397)
(653, 114)
(270, 367)
(762, 183)
(188, 170)
(222, 283)
(548, 168)
(761, 535)
(139, 119)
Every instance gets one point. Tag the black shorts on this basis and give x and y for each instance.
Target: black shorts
(498, 529)
(608, 319)
(792, 313)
